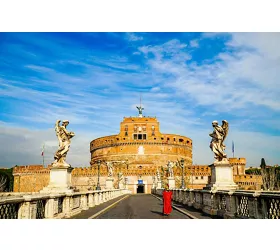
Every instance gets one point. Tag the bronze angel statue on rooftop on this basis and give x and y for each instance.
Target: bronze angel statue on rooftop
(64, 143)
(219, 135)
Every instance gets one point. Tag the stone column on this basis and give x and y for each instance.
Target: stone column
(221, 176)
(159, 184)
(67, 206)
(100, 197)
(231, 206)
(109, 183)
(49, 208)
(90, 200)
(24, 210)
(171, 182)
(60, 180)
(191, 198)
(184, 196)
(84, 205)
(96, 199)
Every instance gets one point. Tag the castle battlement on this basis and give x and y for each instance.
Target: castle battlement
(237, 161)
(31, 169)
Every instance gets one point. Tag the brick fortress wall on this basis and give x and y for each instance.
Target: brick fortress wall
(33, 178)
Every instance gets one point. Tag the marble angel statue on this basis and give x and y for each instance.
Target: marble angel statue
(64, 143)
(219, 135)
(170, 166)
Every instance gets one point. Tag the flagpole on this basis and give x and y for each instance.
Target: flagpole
(43, 154)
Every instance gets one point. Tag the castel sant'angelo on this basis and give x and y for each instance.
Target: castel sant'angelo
(138, 155)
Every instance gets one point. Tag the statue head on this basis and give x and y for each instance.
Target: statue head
(65, 123)
(214, 123)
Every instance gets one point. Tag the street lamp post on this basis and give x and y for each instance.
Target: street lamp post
(162, 176)
(192, 176)
(98, 175)
(182, 166)
(125, 182)
(119, 180)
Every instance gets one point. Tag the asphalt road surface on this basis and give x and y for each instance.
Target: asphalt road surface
(140, 206)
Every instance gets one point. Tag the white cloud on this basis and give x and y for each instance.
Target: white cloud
(240, 82)
(194, 43)
(155, 89)
(235, 80)
(26, 145)
(133, 37)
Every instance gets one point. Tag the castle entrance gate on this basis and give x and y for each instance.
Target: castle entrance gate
(140, 187)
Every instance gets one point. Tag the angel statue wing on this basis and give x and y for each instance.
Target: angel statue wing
(225, 128)
(57, 130)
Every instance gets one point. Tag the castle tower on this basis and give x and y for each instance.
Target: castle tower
(138, 149)
(239, 165)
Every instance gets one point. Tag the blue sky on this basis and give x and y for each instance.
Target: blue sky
(186, 80)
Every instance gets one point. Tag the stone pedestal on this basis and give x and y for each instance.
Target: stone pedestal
(221, 176)
(159, 185)
(171, 182)
(60, 180)
(110, 183)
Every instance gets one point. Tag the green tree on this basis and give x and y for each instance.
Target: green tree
(7, 180)
(270, 176)
(263, 165)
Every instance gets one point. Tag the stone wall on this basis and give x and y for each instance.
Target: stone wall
(32, 178)
(248, 182)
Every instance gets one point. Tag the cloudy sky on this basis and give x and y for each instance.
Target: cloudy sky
(186, 80)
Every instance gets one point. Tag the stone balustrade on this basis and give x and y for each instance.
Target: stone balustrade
(53, 206)
(239, 204)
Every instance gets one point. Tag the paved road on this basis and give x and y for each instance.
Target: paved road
(139, 206)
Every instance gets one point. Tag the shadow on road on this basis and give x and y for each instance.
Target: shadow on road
(156, 212)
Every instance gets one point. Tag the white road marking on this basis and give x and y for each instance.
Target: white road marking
(106, 208)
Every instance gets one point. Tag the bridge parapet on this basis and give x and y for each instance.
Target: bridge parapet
(239, 204)
(53, 206)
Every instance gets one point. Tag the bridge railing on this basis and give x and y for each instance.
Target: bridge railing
(230, 204)
(52, 206)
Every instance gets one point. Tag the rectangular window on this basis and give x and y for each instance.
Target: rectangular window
(139, 136)
(144, 136)
(201, 177)
(135, 136)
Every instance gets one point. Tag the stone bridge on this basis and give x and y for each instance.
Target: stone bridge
(120, 204)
